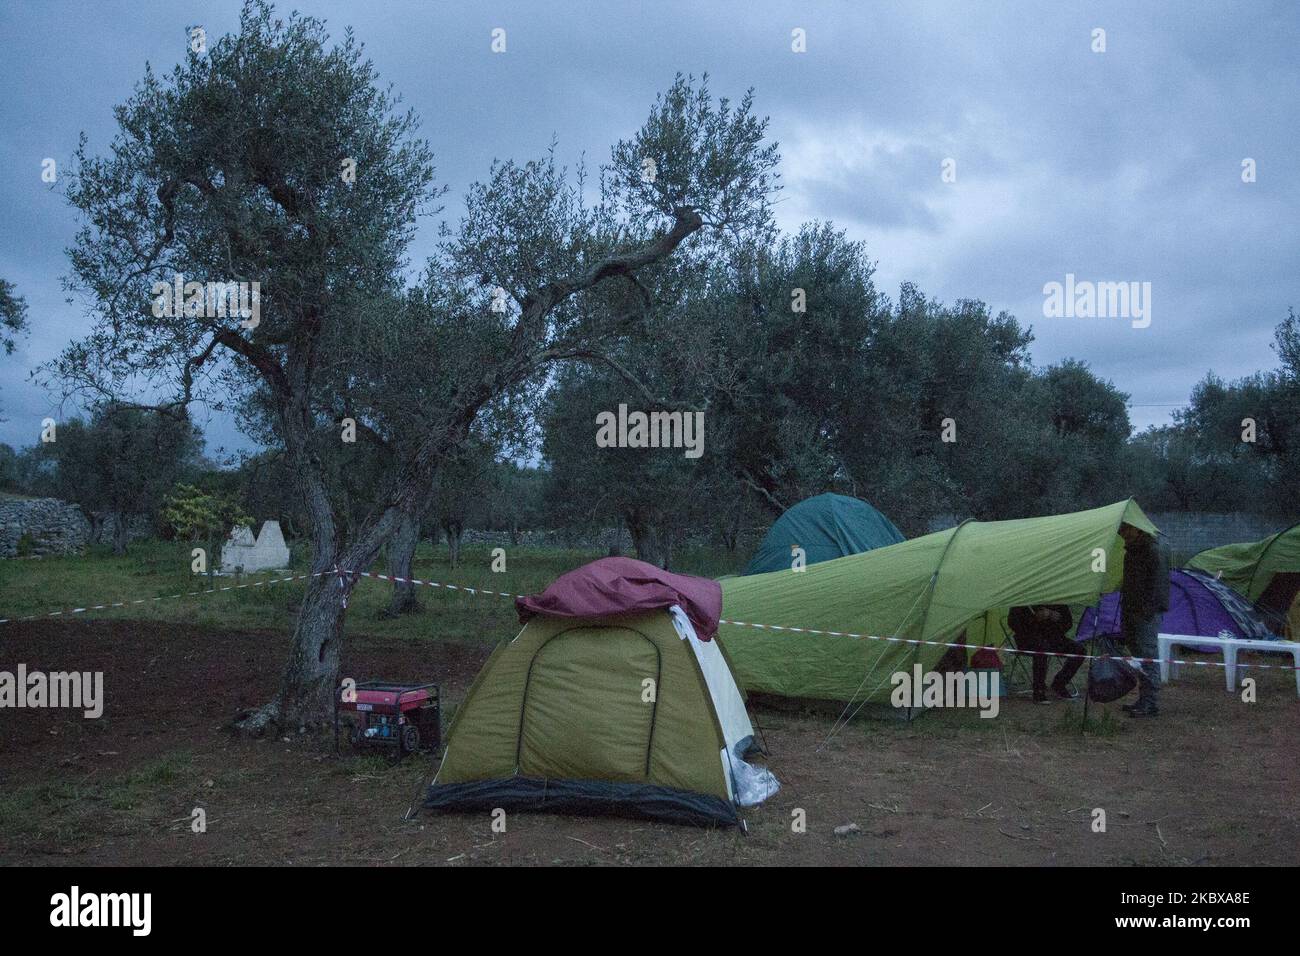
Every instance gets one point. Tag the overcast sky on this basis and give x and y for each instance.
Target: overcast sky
(1117, 166)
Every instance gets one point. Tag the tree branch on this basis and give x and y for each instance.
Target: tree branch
(628, 376)
(258, 357)
(770, 498)
(686, 222)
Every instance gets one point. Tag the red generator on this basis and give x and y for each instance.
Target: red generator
(401, 717)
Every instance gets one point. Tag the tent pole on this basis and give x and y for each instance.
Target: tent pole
(761, 734)
(934, 584)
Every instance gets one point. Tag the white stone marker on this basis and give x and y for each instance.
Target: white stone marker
(242, 554)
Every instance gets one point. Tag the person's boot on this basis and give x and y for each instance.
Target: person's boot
(1144, 708)
(1065, 691)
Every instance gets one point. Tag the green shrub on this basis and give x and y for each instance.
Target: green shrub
(192, 514)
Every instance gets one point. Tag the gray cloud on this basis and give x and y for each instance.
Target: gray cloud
(1116, 166)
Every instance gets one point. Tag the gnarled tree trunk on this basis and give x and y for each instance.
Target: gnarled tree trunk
(454, 531)
(121, 528)
(664, 547)
(401, 554)
(731, 528)
(642, 540)
(311, 673)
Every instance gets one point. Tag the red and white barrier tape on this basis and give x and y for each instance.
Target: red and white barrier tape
(874, 637)
(163, 597)
(344, 575)
(437, 584)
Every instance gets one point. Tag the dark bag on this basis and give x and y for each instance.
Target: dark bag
(1110, 679)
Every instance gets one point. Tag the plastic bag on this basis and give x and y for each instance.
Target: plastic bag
(1111, 678)
(752, 784)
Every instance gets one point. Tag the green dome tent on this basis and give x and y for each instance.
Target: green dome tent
(826, 526)
(933, 588)
(1266, 572)
(630, 710)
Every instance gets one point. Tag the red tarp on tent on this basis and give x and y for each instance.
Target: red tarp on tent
(623, 586)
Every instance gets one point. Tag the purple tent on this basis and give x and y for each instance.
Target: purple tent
(1198, 604)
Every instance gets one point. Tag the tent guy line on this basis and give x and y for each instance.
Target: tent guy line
(842, 721)
(342, 574)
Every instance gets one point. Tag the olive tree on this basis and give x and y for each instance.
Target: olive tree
(277, 158)
(120, 464)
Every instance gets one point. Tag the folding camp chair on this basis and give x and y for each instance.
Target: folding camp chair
(1020, 667)
(1017, 668)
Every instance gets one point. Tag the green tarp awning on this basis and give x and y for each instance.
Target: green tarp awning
(932, 588)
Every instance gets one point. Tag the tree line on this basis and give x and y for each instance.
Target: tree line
(1027, 441)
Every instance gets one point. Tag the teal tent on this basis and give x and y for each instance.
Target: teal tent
(826, 526)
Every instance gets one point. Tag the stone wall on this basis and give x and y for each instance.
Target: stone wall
(103, 527)
(59, 527)
(50, 526)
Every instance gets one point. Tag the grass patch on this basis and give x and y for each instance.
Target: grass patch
(63, 812)
(161, 569)
(1100, 722)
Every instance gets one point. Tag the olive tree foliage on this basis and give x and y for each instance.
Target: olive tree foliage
(775, 350)
(192, 513)
(27, 471)
(231, 169)
(13, 317)
(120, 464)
(682, 362)
(1236, 446)
(658, 494)
(464, 482)
(812, 381)
(1078, 454)
(922, 408)
(800, 311)
(518, 506)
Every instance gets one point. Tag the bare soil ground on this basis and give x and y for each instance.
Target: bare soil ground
(1212, 781)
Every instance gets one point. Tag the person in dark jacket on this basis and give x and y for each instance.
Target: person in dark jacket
(1145, 597)
(1042, 627)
